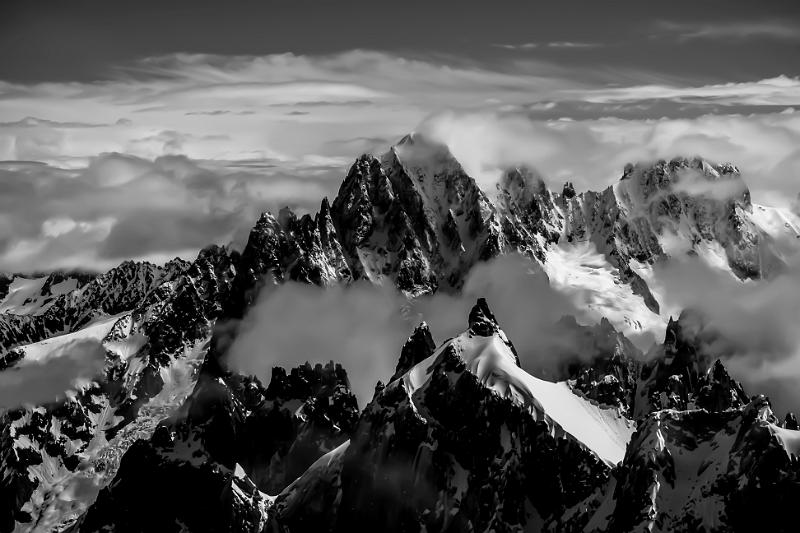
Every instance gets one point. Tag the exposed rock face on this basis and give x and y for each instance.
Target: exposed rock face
(378, 233)
(305, 250)
(686, 375)
(228, 426)
(160, 318)
(418, 347)
(5, 283)
(713, 199)
(531, 219)
(605, 366)
(458, 443)
(32, 294)
(667, 209)
(418, 458)
(415, 217)
(703, 453)
(459, 449)
(707, 471)
(120, 289)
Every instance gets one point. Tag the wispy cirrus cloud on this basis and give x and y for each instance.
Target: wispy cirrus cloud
(574, 44)
(285, 107)
(33, 122)
(518, 46)
(783, 30)
(780, 90)
(216, 112)
(550, 44)
(281, 106)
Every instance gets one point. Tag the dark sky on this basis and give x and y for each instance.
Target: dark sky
(700, 41)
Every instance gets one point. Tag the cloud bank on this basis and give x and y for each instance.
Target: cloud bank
(752, 325)
(50, 379)
(122, 207)
(364, 327)
(211, 140)
(592, 153)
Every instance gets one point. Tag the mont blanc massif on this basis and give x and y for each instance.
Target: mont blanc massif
(463, 436)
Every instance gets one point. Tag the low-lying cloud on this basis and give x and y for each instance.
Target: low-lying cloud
(364, 326)
(752, 325)
(525, 305)
(50, 379)
(695, 183)
(361, 327)
(122, 207)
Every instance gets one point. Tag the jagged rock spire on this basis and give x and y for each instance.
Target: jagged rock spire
(286, 217)
(790, 422)
(721, 391)
(417, 348)
(481, 320)
(483, 324)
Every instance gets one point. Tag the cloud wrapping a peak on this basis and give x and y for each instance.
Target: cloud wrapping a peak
(752, 325)
(364, 326)
(592, 153)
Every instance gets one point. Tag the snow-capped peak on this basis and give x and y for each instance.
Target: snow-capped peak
(423, 157)
(488, 354)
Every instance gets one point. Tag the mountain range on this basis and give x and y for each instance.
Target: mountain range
(460, 437)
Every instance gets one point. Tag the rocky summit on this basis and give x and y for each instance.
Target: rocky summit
(460, 437)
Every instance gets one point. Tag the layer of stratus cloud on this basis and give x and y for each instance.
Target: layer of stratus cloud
(364, 326)
(194, 146)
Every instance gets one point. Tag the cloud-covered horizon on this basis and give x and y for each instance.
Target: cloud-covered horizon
(184, 150)
(123, 207)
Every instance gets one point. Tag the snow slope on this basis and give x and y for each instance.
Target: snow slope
(781, 224)
(602, 430)
(580, 271)
(96, 330)
(25, 295)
